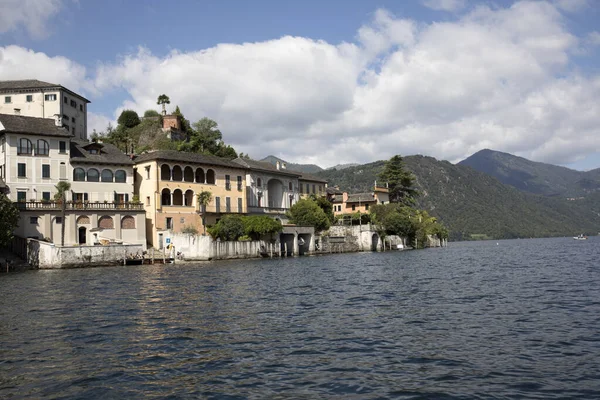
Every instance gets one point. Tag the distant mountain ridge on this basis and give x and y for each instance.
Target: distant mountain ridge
(534, 177)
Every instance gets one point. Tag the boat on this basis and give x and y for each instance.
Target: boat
(580, 237)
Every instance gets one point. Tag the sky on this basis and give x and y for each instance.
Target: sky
(331, 82)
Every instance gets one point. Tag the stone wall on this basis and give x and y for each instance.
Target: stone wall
(46, 255)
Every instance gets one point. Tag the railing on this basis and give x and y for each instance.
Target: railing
(54, 205)
(267, 210)
(219, 210)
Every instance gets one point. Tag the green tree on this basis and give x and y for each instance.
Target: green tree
(204, 198)
(256, 226)
(128, 119)
(62, 188)
(325, 205)
(162, 100)
(400, 181)
(307, 212)
(9, 219)
(230, 227)
(205, 137)
(151, 113)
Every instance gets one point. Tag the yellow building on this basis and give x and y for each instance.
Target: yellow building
(310, 184)
(168, 182)
(345, 203)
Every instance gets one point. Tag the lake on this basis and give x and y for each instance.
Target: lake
(515, 319)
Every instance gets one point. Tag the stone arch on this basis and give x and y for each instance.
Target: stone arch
(374, 242)
(165, 197)
(188, 174)
(83, 220)
(188, 199)
(165, 172)
(106, 222)
(275, 193)
(177, 173)
(128, 222)
(210, 177)
(177, 197)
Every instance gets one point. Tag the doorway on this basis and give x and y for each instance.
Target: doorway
(82, 235)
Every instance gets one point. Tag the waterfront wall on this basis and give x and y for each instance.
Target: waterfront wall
(46, 255)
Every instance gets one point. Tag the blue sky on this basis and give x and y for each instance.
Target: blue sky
(357, 80)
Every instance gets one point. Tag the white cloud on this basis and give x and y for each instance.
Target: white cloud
(32, 15)
(445, 5)
(500, 78)
(593, 38)
(98, 122)
(572, 5)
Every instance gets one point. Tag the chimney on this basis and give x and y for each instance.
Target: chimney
(277, 164)
(58, 120)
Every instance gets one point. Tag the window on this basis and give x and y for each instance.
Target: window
(217, 204)
(240, 206)
(65, 99)
(291, 186)
(227, 182)
(24, 147)
(107, 175)
(93, 175)
(169, 222)
(79, 175)
(73, 104)
(43, 149)
(45, 196)
(29, 98)
(353, 207)
(21, 196)
(45, 170)
(259, 182)
(301, 187)
(367, 206)
(148, 172)
(239, 183)
(228, 204)
(58, 220)
(91, 151)
(120, 176)
(73, 130)
(63, 171)
(147, 200)
(21, 170)
(81, 107)
(50, 97)
(33, 220)
(62, 147)
(106, 222)
(320, 188)
(7, 99)
(72, 119)
(313, 188)
(65, 118)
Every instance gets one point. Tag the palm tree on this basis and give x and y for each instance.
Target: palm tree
(162, 100)
(204, 198)
(62, 188)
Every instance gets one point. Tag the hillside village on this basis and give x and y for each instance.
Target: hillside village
(139, 200)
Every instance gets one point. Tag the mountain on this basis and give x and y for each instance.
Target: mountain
(473, 204)
(343, 166)
(534, 177)
(306, 168)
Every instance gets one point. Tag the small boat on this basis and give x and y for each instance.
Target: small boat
(580, 237)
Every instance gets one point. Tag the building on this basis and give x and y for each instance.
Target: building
(168, 183)
(35, 155)
(271, 189)
(346, 203)
(34, 98)
(310, 184)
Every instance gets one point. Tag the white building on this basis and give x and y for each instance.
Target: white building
(40, 99)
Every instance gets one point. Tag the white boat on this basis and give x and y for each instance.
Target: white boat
(580, 237)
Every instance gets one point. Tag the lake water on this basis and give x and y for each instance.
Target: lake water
(515, 319)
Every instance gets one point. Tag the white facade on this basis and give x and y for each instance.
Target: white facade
(48, 103)
(28, 170)
(110, 186)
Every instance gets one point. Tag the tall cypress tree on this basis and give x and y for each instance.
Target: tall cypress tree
(400, 181)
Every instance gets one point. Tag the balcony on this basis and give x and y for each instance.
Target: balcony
(70, 205)
(266, 210)
(219, 210)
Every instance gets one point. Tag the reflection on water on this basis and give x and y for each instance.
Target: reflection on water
(517, 319)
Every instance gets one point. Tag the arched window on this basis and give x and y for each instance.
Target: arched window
(79, 175)
(120, 176)
(188, 174)
(165, 172)
(188, 198)
(177, 173)
(24, 147)
(177, 197)
(199, 175)
(43, 149)
(128, 222)
(210, 177)
(165, 197)
(83, 220)
(93, 175)
(107, 175)
(106, 222)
